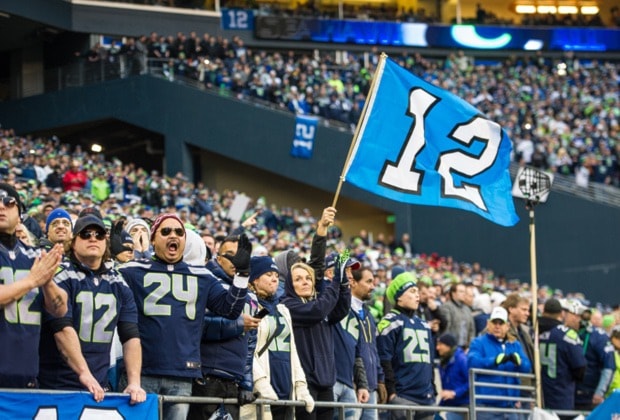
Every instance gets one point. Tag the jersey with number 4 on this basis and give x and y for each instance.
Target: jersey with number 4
(561, 354)
(20, 321)
(96, 302)
(406, 343)
(171, 301)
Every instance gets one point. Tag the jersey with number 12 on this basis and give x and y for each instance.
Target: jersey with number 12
(20, 321)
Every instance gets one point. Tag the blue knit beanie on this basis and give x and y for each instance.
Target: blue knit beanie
(260, 266)
(57, 214)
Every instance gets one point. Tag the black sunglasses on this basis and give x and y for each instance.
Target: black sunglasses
(87, 234)
(9, 202)
(167, 231)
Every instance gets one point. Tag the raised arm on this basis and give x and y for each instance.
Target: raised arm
(40, 275)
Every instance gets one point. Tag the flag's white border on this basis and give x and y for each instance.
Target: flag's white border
(370, 101)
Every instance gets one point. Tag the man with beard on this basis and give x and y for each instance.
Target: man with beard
(227, 346)
(26, 287)
(172, 297)
(561, 357)
(75, 349)
(58, 226)
(362, 286)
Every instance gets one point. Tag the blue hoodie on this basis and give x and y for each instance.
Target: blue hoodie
(455, 377)
(313, 323)
(226, 350)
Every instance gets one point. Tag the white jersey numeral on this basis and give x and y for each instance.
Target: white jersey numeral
(20, 311)
(91, 331)
(183, 288)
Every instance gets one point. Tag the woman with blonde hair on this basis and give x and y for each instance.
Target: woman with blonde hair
(314, 316)
(276, 369)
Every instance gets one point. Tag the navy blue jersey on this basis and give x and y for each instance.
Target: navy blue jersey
(171, 301)
(20, 321)
(346, 348)
(368, 348)
(97, 302)
(406, 343)
(226, 350)
(599, 355)
(561, 356)
(231, 357)
(279, 354)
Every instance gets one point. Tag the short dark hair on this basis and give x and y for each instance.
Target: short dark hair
(357, 274)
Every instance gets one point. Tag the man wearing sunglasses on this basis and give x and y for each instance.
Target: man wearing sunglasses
(172, 297)
(227, 346)
(26, 287)
(75, 349)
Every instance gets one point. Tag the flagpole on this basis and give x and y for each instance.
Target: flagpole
(537, 373)
(534, 186)
(378, 72)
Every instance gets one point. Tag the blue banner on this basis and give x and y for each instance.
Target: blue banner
(303, 141)
(424, 35)
(609, 409)
(237, 19)
(74, 405)
(420, 144)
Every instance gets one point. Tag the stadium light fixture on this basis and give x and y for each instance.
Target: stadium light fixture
(96, 148)
(589, 10)
(568, 10)
(563, 7)
(546, 9)
(525, 9)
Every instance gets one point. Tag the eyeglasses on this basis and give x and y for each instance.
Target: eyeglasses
(61, 222)
(9, 202)
(87, 234)
(167, 231)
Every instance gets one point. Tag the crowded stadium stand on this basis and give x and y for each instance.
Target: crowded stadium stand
(190, 107)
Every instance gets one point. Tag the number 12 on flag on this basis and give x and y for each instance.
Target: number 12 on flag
(419, 144)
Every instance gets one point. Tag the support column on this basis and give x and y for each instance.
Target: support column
(177, 157)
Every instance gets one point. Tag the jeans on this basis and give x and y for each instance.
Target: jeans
(402, 414)
(497, 416)
(370, 413)
(319, 413)
(455, 416)
(166, 385)
(343, 393)
(212, 386)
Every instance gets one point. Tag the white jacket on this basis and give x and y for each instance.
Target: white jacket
(261, 370)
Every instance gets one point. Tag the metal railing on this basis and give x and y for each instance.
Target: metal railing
(474, 380)
(526, 399)
(339, 407)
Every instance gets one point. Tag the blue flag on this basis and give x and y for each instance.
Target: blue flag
(609, 409)
(303, 141)
(419, 144)
(74, 405)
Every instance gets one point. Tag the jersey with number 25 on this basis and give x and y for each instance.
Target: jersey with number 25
(407, 343)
